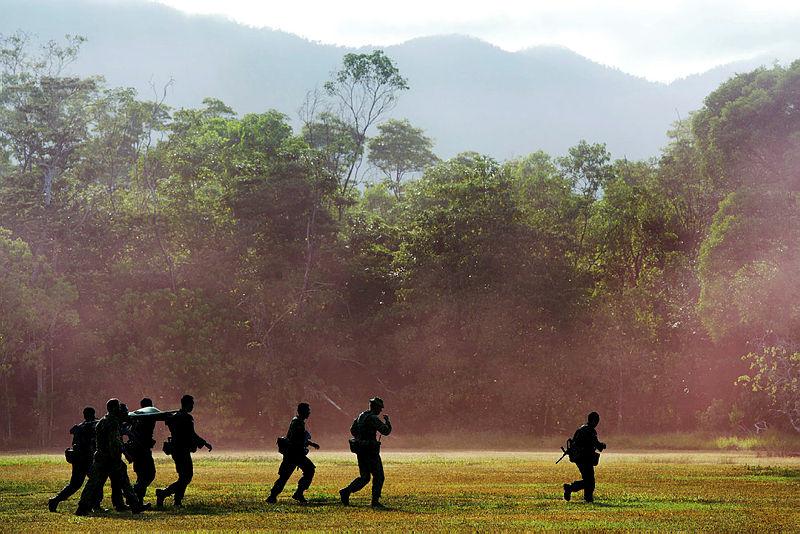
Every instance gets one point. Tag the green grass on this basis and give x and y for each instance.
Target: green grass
(439, 491)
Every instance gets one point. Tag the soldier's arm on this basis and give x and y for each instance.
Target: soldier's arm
(296, 434)
(599, 445)
(384, 428)
(200, 442)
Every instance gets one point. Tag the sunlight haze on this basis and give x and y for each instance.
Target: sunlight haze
(660, 41)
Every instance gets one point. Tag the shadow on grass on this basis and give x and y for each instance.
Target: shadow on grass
(245, 507)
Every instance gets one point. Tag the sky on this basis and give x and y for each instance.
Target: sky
(660, 40)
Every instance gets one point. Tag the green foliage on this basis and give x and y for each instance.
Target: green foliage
(749, 128)
(775, 374)
(235, 258)
(749, 263)
(364, 89)
(399, 149)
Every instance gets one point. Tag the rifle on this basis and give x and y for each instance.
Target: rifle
(565, 451)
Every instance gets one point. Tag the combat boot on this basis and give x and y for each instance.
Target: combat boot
(344, 495)
(121, 507)
(377, 506)
(299, 497)
(160, 496)
(82, 511)
(567, 492)
(272, 499)
(52, 504)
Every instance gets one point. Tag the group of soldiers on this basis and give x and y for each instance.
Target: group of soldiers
(98, 448)
(364, 443)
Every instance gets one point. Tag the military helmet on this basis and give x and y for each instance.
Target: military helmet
(376, 401)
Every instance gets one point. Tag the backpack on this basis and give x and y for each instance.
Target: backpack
(283, 445)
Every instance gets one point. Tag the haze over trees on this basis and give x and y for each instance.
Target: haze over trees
(154, 251)
(467, 94)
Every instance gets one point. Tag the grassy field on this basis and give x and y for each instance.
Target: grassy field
(439, 491)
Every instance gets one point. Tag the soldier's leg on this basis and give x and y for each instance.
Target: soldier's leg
(98, 498)
(170, 490)
(363, 476)
(308, 468)
(185, 474)
(98, 474)
(377, 478)
(285, 470)
(117, 499)
(578, 485)
(145, 468)
(587, 471)
(79, 472)
(120, 480)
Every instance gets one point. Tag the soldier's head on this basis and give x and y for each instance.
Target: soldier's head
(112, 406)
(303, 410)
(145, 402)
(593, 419)
(376, 405)
(187, 403)
(89, 414)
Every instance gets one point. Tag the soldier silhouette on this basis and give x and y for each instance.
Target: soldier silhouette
(108, 462)
(80, 456)
(295, 456)
(368, 451)
(140, 449)
(584, 445)
(184, 442)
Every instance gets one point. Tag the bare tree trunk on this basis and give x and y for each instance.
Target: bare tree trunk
(620, 395)
(7, 395)
(51, 395)
(40, 403)
(49, 172)
(309, 249)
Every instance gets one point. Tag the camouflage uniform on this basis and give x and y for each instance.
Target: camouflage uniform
(184, 442)
(107, 464)
(83, 446)
(365, 428)
(585, 443)
(296, 456)
(141, 450)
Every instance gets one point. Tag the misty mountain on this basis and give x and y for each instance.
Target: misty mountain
(467, 94)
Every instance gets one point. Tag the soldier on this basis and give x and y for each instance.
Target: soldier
(140, 447)
(584, 444)
(83, 447)
(184, 442)
(296, 456)
(368, 451)
(108, 462)
(117, 499)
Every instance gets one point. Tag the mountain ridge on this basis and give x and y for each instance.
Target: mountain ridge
(466, 93)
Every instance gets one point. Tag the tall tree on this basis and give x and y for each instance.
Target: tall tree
(399, 149)
(364, 89)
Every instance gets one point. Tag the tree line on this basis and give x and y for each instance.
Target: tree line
(155, 251)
